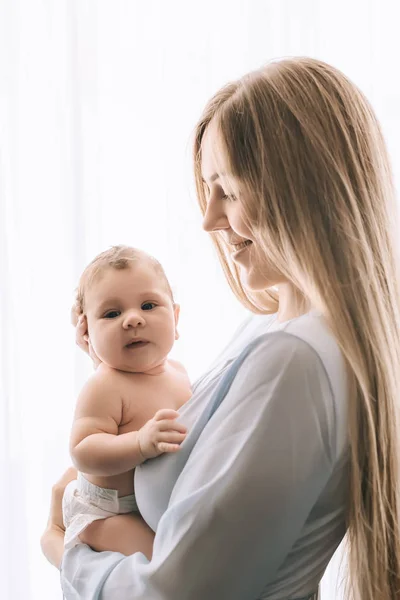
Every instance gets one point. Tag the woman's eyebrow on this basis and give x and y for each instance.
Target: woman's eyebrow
(214, 177)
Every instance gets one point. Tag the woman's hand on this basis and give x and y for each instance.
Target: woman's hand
(57, 493)
(82, 338)
(52, 540)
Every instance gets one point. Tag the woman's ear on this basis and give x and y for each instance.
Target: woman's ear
(177, 310)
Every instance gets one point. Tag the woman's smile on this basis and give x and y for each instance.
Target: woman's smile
(242, 244)
(241, 249)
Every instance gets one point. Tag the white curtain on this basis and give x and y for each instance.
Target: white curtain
(98, 101)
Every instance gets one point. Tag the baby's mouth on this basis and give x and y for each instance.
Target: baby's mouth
(136, 344)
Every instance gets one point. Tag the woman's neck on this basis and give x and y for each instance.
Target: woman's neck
(292, 302)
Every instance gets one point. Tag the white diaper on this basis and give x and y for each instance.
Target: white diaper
(84, 502)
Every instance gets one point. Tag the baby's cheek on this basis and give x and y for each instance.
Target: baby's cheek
(97, 340)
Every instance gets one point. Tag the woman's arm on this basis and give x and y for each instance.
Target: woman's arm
(244, 495)
(52, 540)
(52, 544)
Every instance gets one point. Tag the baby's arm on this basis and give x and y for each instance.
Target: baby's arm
(95, 445)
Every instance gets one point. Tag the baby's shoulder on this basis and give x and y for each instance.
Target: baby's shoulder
(100, 395)
(177, 366)
(105, 380)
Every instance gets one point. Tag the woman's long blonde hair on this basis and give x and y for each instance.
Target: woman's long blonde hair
(305, 144)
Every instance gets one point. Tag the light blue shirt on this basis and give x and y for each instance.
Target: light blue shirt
(252, 506)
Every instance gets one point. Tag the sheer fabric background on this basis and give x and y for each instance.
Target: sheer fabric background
(98, 101)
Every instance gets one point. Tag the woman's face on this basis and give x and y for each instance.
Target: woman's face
(224, 214)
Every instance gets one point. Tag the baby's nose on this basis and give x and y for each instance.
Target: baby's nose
(134, 319)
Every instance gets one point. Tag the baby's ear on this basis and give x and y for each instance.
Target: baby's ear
(84, 328)
(75, 314)
(177, 310)
(76, 308)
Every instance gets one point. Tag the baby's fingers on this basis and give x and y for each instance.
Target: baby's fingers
(166, 413)
(170, 441)
(171, 426)
(171, 437)
(166, 447)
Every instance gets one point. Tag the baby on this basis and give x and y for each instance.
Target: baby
(127, 410)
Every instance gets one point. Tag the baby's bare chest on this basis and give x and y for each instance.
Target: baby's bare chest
(144, 397)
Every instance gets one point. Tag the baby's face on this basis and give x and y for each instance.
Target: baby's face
(131, 318)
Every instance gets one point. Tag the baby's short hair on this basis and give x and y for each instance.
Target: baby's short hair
(116, 257)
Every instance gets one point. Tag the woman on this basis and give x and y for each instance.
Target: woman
(293, 432)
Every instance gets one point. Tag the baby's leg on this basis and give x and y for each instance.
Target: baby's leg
(127, 534)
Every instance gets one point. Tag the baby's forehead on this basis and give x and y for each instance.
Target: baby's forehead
(130, 268)
(139, 278)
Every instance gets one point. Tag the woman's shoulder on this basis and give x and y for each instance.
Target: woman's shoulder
(306, 344)
(309, 338)
(314, 332)
(309, 330)
(307, 335)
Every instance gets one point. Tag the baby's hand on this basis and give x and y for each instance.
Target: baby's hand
(161, 434)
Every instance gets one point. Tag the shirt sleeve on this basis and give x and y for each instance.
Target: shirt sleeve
(244, 495)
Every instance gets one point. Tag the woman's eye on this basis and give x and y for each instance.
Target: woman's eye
(229, 197)
(148, 306)
(112, 314)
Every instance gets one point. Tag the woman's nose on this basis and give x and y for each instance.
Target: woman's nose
(214, 219)
(133, 319)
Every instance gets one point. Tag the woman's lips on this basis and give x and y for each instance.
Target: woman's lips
(241, 249)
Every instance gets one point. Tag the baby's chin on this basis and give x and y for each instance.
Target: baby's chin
(124, 367)
(144, 367)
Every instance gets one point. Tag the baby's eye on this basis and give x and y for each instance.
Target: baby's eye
(112, 314)
(148, 306)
